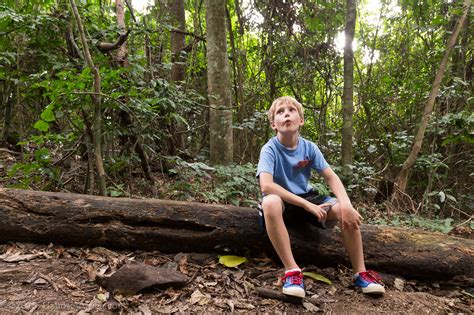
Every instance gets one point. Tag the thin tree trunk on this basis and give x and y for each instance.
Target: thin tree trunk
(347, 105)
(89, 181)
(239, 134)
(149, 75)
(221, 142)
(122, 52)
(234, 54)
(178, 70)
(7, 119)
(96, 101)
(418, 141)
(125, 118)
(244, 108)
(177, 40)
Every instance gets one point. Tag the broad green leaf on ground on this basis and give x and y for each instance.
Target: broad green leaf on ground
(232, 261)
(318, 277)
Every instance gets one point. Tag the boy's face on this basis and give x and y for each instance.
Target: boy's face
(287, 119)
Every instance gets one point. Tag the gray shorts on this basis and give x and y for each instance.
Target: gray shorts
(294, 215)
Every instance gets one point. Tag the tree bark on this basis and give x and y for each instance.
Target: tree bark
(347, 104)
(172, 226)
(122, 52)
(177, 40)
(418, 141)
(7, 118)
(221, 142)
(178, 70)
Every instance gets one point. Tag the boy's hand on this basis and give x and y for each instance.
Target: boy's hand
(350, 218)
(317, 210)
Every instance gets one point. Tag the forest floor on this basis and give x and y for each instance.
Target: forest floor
(53, 279)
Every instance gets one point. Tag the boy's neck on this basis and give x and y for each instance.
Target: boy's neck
(289, 141)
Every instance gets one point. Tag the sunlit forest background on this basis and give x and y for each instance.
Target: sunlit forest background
(123, 99)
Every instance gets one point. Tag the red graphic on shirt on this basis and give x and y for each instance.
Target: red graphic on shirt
(303, 163)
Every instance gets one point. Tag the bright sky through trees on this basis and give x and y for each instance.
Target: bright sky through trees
(140, 5)
(369, 11)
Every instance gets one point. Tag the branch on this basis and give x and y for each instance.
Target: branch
(106, 47)
(176, 30)
(131, 11)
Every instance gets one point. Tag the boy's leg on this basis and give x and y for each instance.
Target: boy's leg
(273, 212)
(352, 241)
(367, 281)
(273, 208)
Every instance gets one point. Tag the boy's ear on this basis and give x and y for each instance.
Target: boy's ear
(273, 126)
(302, 122)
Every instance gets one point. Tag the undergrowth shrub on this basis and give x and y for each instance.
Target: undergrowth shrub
(230, 184)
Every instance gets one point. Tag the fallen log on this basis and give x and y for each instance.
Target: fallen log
(173, 226)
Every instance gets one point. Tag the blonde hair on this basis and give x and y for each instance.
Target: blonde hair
(285, 100)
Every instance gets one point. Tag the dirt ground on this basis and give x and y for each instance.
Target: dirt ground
(52, 279)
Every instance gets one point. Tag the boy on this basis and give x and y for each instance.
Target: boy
(283, 171)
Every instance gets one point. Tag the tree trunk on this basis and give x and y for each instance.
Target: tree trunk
(221, 142)
(171, 226)
(96, 101)
(122, 52)
(347, 104)
(418, 141)
(178, 73)
(7, 118)
(246, 108)
(177, 40)
(125, 119)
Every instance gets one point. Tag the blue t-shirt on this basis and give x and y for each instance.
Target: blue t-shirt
(291, 169)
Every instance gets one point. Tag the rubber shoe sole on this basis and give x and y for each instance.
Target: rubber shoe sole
(294, 291)
(373, 289)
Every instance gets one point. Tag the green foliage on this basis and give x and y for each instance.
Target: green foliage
(455, 128)
(232, 184)
(416, 221)
(37, 171)
(427, 162)
(360, 181)
(117, 190)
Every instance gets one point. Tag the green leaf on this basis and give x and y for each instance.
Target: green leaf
(232, 261)
(115, 193)
(317, 277)
(47, 114)
(42, 155)
(41, 125)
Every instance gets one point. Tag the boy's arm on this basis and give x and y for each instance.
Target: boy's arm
(350, 218)
(268, 186)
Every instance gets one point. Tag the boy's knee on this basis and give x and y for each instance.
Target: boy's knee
(272, 205)
(335, 213)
